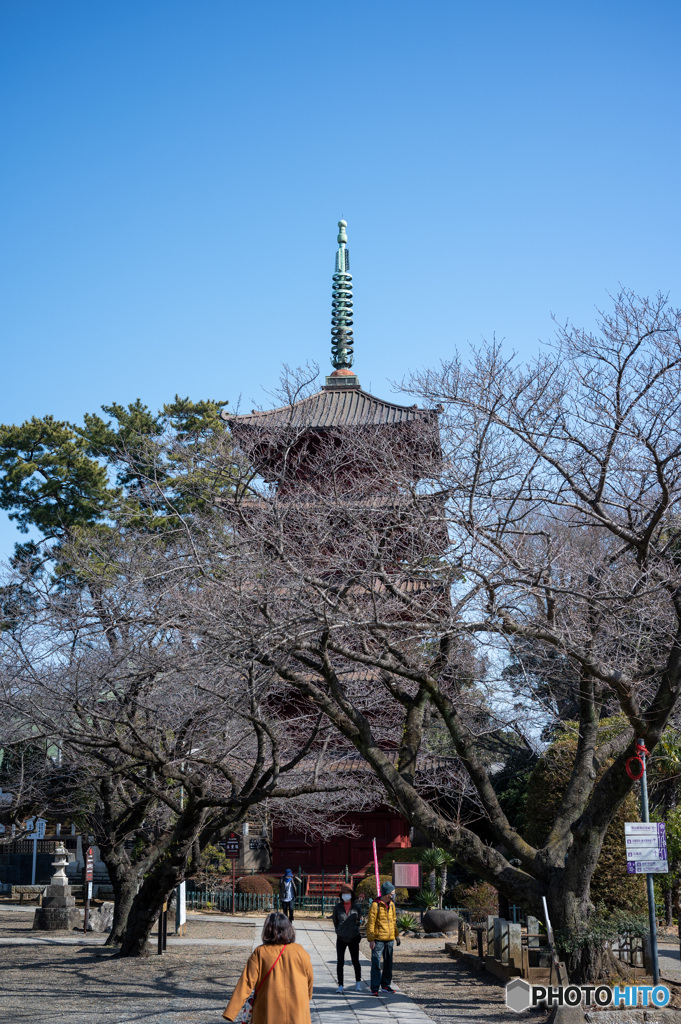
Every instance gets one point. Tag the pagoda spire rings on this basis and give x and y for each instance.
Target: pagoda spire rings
(341, 305)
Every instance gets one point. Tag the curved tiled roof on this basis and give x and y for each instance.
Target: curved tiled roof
(334, 407)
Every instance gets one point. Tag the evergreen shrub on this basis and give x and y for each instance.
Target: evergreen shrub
(258, 885)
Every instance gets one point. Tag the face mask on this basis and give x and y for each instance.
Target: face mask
(347, 897)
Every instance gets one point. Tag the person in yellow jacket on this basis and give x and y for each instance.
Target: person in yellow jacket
(381, 933)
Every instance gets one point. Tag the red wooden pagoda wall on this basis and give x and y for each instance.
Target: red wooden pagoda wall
(292, 850)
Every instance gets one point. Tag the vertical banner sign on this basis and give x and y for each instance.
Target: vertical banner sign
(232, 849)
(180, 906)
(37, 828)
(89, 875)
(378, 877)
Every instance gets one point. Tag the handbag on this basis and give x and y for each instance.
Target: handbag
(246, 1012)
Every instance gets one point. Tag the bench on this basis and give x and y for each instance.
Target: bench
(34, 892)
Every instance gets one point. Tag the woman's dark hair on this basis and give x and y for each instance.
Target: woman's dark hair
(278, 930)
(346, 888)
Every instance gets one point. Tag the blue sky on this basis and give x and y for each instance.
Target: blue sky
(173, 172)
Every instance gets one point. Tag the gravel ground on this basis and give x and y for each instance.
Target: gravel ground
(87, 984)
(448, 990)
(84, 983)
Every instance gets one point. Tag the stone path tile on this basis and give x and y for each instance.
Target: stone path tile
(330, 1007)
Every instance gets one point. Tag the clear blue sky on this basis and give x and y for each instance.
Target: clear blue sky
(172, 174)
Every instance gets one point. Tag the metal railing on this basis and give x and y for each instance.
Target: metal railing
(244, 902)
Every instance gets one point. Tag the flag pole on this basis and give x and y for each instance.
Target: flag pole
(378, 878)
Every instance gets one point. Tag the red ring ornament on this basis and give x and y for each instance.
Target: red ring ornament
(630, 771)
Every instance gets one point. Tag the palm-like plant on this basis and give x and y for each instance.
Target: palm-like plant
(406, 922)
(447, 861)
(431, 861)
(427, 899)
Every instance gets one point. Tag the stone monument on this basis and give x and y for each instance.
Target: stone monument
(59, 906)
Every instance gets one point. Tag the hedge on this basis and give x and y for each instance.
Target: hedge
(367, 888)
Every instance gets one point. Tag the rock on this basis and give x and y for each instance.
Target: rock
(101, 919)
(445, 921)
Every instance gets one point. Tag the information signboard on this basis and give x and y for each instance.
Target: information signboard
(646, 846)
(406, 876)
(36, 827)
(232, 845)
(89, 864)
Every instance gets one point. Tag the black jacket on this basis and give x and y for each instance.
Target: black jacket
(347, 925)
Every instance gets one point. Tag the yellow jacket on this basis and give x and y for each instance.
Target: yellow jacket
(382, 922)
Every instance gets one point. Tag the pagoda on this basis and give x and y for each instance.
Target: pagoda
(293, 448)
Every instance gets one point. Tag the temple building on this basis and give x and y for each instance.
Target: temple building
(290, 447)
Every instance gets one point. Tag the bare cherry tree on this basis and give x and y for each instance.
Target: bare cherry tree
(174, 746)
(551, 520)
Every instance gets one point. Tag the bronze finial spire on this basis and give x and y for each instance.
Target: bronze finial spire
(341, 316)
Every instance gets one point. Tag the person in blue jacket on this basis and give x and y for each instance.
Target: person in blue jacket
(287, 892)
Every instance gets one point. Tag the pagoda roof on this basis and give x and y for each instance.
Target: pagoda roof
(334, 407)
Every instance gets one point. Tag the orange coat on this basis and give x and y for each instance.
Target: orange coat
(285, 997)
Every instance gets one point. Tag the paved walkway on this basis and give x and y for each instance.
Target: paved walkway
(351, 1007)
(670, 961)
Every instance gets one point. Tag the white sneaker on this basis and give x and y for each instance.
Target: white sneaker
(358, 986)
(339, 989)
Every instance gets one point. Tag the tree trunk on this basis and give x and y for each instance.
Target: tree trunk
(125, 890)
(169, 867)
(124, 877)
(145, 910)
(443, 884)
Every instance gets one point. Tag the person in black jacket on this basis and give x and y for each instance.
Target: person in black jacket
(347, 916)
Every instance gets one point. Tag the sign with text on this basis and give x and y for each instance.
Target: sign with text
(646, 846)
(36, 827)
(89, 864)
(232, 845)
(407, 876)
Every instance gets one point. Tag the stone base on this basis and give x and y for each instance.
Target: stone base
(58, 902)
(55, 919)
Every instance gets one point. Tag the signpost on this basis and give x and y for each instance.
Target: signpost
(163, 929)
(232, 848)
(37, 829)
(646, 845)
(89, 875)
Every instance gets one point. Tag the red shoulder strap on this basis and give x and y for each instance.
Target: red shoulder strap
(269, 972)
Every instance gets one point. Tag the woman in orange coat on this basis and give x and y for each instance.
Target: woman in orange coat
(282, 995)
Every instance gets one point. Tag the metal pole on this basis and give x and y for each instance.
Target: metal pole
(86, 916)
(645, 814)
(35, 856)
(233, 883)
